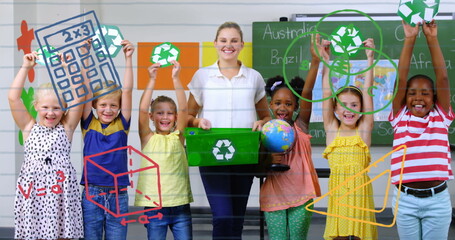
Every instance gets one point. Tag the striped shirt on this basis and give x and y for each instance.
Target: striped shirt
(427, 141)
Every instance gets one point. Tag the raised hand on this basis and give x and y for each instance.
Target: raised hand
(430, 29)
(29, 60)
(128, 48)
(322, 47)
(410, 31)
(175, 69)
(369, 43)
(153, 70)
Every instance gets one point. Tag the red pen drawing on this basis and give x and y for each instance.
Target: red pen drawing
(152, 169)
(56, 189)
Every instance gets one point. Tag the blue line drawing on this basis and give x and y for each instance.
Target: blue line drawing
(66, 37)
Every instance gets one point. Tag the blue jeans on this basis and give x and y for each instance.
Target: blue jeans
(227, 189)
(177, 218)
(423, 218)
(97, 220)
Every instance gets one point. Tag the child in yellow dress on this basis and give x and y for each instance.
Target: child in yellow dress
(165, 147)
(348, 138)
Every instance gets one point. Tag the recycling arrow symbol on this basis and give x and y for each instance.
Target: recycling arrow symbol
(164, 54)
(346, 40)
(417, 11)
(223, 150)
(113, 38)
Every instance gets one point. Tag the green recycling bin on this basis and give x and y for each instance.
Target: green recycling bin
(221, 146)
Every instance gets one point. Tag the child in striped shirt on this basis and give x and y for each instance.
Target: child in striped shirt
(421, 117)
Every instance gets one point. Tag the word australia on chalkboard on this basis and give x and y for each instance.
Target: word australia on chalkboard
(271, 40)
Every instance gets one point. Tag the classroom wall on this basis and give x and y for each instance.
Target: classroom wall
(152, 21)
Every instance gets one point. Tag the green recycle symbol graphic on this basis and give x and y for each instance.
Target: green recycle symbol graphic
(346, 39)
(417, 11)
(341, 65)
(164, 54)
(305, 65)
(223, 150)
(47, 54)
(113, 38)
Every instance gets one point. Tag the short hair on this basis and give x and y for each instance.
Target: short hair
(161, 99)
(46, 89)
(275, 83)
(108, 92)
(423, 76)
(229, 25)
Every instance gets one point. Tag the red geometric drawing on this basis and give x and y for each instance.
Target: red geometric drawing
(153, 169)
(24, 43)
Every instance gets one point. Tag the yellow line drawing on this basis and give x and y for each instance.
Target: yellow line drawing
(374, 164)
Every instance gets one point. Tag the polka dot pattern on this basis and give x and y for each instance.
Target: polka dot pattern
(347, 156)
(47, 203)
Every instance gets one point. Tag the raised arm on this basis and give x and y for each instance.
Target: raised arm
(182, 105)
(74, 113)
(127, 89)
(328, 115)
(144, 118)
(404, 64)
(88, 105)
(442, 85)
(367, 121)
(20, 114)
(305, 106)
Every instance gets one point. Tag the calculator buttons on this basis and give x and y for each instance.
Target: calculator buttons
(73, 68)
(92, 73)
(69, 56)
(59, 72)
(77, 79)
(87, 62)
(68, 96)
(63, 84)
(81, 91)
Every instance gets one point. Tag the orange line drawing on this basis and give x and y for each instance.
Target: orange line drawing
(374, 164)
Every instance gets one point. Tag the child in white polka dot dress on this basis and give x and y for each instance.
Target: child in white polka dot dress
(47, 203)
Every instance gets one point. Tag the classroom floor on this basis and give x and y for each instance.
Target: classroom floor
(202, 230)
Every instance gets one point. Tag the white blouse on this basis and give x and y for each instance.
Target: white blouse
(227, 103)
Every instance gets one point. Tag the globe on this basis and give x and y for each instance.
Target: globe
(277, 135)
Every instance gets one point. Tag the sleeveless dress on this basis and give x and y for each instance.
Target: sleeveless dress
(173, 180)
(47, 203)
(347, 156)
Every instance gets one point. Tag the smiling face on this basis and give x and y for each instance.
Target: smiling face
(228, 44)
(420, 97)
(49, 111)
(283, 104)
(107, 109)
(163, 116)
(351, 101)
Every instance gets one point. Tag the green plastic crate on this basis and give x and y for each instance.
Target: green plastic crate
(221, 146)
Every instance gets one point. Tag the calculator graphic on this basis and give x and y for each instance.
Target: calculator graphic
(65, 37)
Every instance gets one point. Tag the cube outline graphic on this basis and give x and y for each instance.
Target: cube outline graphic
(117, 214)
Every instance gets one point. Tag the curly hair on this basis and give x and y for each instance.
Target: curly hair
(275, 83)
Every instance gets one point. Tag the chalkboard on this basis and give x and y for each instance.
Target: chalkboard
(272, 39)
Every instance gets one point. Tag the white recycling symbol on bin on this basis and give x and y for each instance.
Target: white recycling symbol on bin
(113, 38)
(346, 39)
(228, 150)
(164, 54)
(416, 11)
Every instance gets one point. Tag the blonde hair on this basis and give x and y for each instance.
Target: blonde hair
(46, 89)
(229, 25)
(112, 93)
